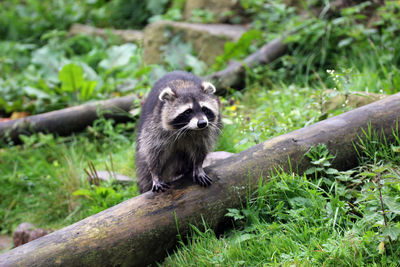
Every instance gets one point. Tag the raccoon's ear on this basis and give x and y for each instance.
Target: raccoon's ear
(166, 94)
(208, 87)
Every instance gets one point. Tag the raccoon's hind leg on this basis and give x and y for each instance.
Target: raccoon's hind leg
(148, 178)
(155, 165)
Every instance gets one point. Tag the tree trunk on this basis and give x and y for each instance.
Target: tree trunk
(141, 230)
(66, 121)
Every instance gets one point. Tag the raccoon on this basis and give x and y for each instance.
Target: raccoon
(179, 124)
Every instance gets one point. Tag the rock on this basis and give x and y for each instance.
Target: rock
(26, 232)
(223, 10)
(127, 36)
(337, 99)
(119, 178)
(216, 156)
(208, 40)
(6, 243)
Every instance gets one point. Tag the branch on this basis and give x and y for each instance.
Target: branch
(68, 120)
(233, 75)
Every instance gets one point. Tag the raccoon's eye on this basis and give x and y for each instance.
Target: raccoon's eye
(209, 114)
(188, 111)
(206, 111)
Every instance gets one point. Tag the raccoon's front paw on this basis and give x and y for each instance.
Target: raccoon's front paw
(202, 178)
(159, 186)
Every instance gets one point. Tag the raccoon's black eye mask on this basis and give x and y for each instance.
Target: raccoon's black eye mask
(209, 114)
(182, 119)
(188, 111)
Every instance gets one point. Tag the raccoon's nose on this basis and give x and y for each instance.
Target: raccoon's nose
(202, 124)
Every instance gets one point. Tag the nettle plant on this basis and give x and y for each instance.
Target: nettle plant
(369, 192)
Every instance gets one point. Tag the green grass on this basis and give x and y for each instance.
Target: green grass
(39, 181)
(259, 114)
(334, 219)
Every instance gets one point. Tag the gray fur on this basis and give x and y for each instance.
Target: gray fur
(164, 154)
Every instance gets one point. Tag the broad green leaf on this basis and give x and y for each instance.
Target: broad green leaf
(392, 204)
(235, 214)
(345, 42)
(319, 162)
(49, 61)
(195, 64)
(368, 174)
(331, 171)
(156, 7)
(392, 231)
(311, 170)
(244, 237)
(31, 91)
(72, 80)
(118, 56)
(240, 48)
(88, 89)
(71, 77)
(82, 192)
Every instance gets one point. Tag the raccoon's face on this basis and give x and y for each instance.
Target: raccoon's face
(190, 108)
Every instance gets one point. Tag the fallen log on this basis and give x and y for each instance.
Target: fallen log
(141, 230)
(233, 75)
(66, 121)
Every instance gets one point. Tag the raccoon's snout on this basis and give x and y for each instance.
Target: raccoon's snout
(202, 124)
(198, 123)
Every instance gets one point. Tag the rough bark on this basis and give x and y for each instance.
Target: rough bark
(141, 230)
(233, 75)
(66, 121)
